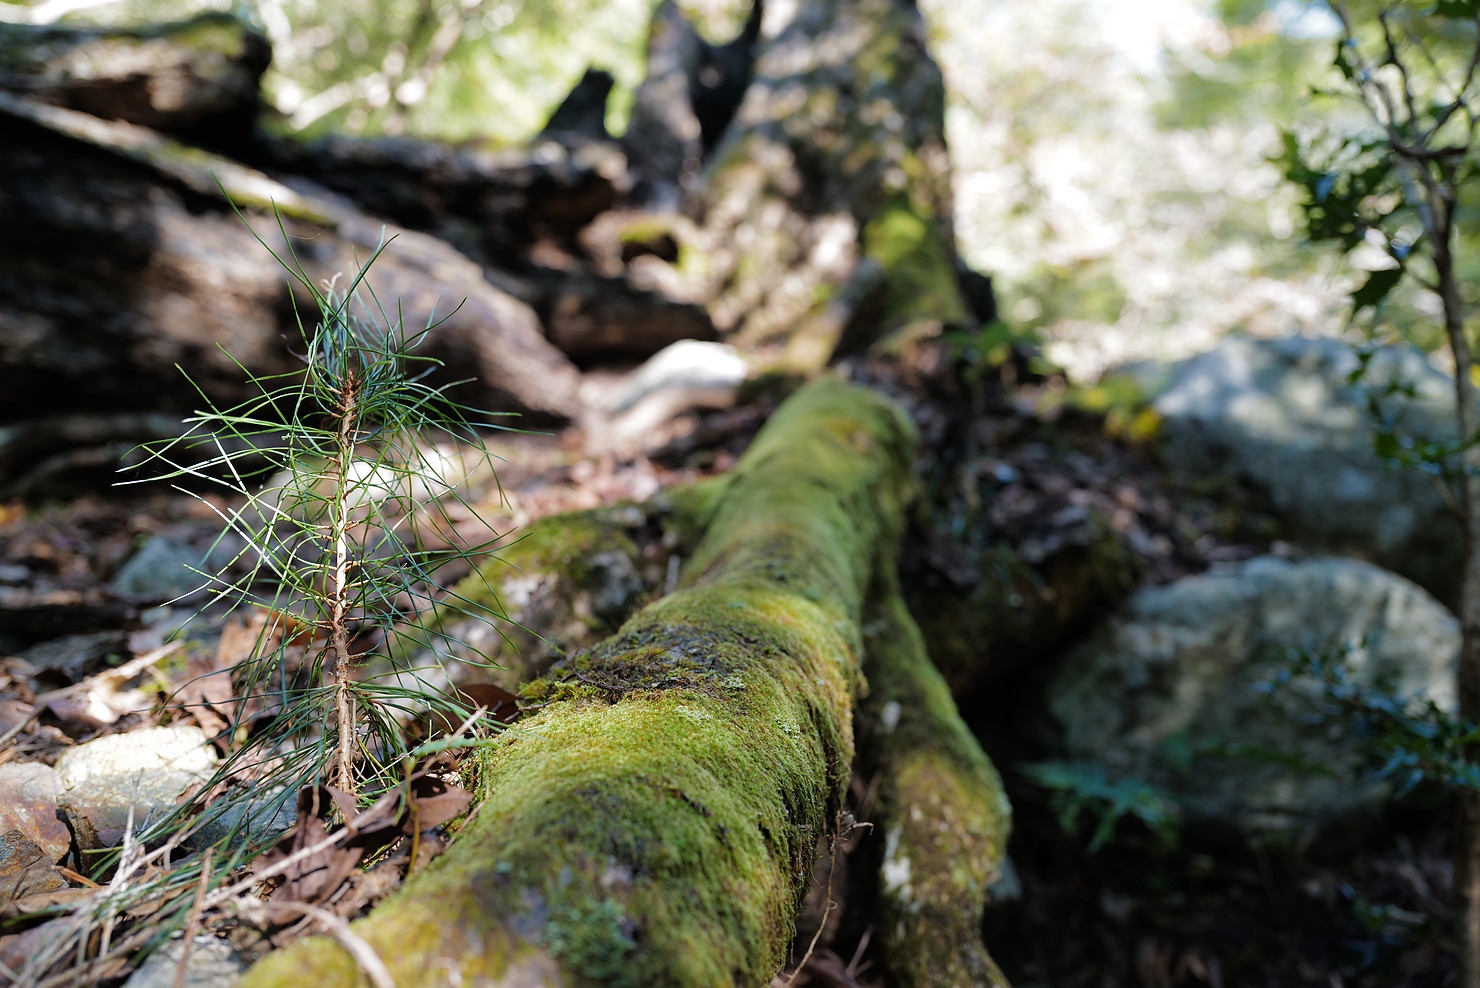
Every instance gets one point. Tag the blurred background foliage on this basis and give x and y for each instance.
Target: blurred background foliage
(452, 70)
(1114, 159)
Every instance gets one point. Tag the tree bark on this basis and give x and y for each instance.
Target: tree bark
(198, 77)
(942, 812)
(100, 302)
(827, 206)
(655, 823)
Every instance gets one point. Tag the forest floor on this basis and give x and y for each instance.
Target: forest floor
(1364, 908)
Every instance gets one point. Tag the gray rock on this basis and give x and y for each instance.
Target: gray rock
(28, 803)
(211, 964)
(243, 817)
(147, 769)
(1281, 415)
(160, 570)
(1169, 691)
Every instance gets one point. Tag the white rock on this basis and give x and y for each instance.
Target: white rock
(1170, 690)
(1281, 415)
(686, 375)
(211, 964)
(147, 769)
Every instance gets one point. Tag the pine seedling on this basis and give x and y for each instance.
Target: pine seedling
(341, 489)
(339, 483)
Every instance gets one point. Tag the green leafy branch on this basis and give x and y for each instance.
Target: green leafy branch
(1407, 739)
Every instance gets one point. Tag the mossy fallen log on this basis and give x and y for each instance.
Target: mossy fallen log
(941, 808)
(655, 822)
(160, 273)
(568, 582)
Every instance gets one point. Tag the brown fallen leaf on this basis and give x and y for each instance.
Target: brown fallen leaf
(317, 876)
(434, 801)
(501, 705)
(43, 902)
(498, 702)
(101, 699)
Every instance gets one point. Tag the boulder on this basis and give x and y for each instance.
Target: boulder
(147, 770)
(1172, 690)
(1283, 416)
(162, 569)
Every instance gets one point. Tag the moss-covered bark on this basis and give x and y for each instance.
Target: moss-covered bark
(941, 808)
(569, 582)
(828, 204)
(655, 823)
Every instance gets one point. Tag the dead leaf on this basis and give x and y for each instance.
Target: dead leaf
(434, 802)
(319, 875)
(101, 698)
(500, 703)
(42, 903)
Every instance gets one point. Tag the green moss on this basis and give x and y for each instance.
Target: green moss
(569, 581)
(688, 509)
(592, 938)
(659, 819)
(942, 809)
(919, 278)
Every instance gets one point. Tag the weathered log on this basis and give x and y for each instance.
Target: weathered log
(592, 318)
(663, 138)
(198, 77)
(569, 581)
(655, 823)
(686, 101)
(119, 259)
(835, 159)
(493, 205)
(942, 812)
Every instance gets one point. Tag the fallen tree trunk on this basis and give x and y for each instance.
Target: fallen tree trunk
(197, 77)
(655, 823)
(100, 302)
(941, 809)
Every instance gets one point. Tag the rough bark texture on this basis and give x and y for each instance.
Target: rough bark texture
(198, 77)
(663, 139)
(827, 207)
(655, 823)
(570, 581)
(119, 259)
(941, 808)
(493, 205)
